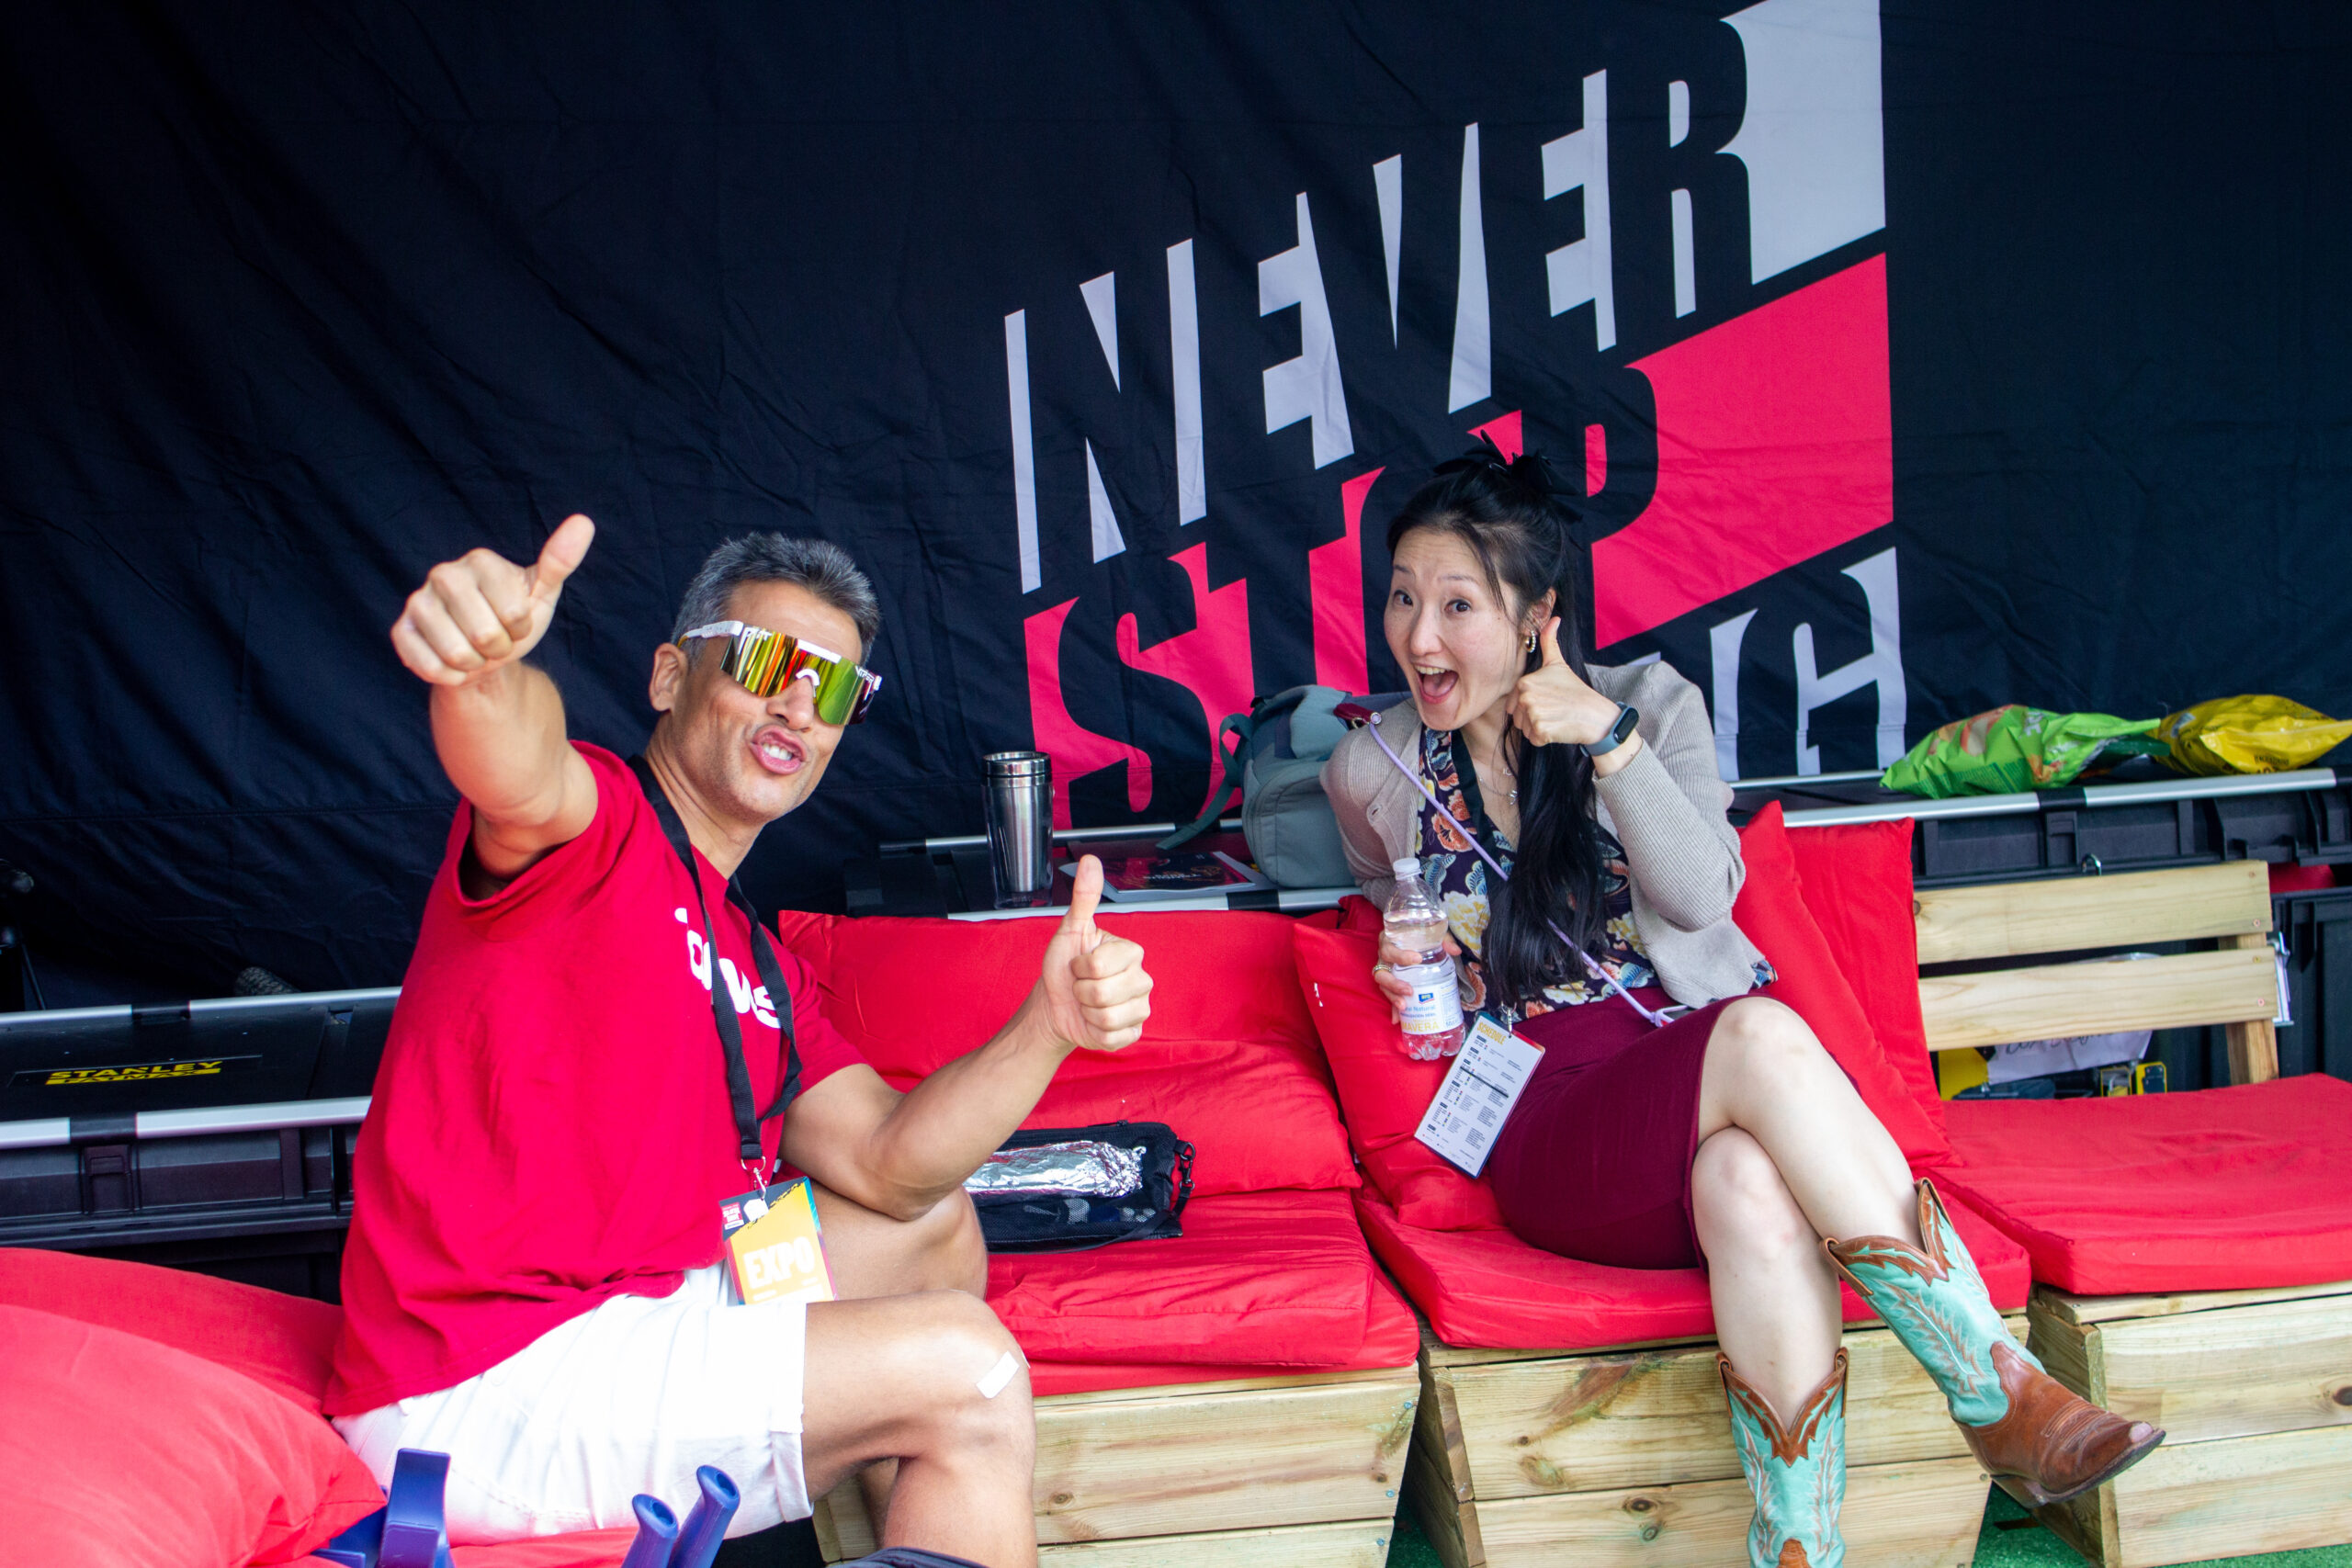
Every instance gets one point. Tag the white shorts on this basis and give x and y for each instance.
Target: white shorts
(627, 1398)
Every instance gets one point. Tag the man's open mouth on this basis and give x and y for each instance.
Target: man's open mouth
(779, 752)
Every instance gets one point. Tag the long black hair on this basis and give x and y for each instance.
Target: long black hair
(1520, 528)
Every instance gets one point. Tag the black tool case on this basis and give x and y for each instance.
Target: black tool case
(213, 1135)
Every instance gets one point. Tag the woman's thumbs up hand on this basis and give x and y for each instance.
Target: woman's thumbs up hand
(1096, 993)
(1553, 706)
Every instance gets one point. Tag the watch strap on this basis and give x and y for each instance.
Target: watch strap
(1627, 717)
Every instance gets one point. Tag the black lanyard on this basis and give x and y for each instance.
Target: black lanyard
(722, 1010)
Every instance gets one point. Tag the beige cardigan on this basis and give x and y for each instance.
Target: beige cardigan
(1667, 808)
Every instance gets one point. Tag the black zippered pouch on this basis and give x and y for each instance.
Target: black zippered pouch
(1068, 1189)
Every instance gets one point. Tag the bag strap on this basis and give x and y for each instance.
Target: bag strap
(1245, 726)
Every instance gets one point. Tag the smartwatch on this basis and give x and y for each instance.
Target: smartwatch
(1626, 720)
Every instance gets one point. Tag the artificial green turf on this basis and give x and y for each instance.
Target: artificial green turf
(2023, 1544)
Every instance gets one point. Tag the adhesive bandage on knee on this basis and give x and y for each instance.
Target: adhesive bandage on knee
(994, 1381)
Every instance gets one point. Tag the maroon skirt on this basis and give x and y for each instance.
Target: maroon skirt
(1595, 1161)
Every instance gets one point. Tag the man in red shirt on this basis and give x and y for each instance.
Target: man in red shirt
(589, 1057)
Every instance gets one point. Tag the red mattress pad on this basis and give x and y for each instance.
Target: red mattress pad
(1486, 1289)
(2245, 1187)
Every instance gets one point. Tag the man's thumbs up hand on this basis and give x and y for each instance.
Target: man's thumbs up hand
(1093, 986)
(482, 612)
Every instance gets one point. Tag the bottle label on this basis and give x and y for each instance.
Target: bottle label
(1435, 1005)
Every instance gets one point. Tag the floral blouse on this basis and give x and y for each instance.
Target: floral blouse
(1458, 877)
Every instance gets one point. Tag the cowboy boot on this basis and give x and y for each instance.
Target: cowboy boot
(1797, 1471)
(2042, 1442)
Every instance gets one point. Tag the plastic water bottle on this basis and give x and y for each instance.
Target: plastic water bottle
(1415, 922)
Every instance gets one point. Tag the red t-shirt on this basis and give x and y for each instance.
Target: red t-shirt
(551, 1124)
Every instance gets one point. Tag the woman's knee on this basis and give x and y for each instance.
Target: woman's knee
(1739, 1198)
(1769, 1043)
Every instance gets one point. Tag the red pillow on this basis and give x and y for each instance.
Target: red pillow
(1228, 1058)
(120, 1450)
(282, 1342)
(1383, 1092)
(1857, 881)
(1772, 910)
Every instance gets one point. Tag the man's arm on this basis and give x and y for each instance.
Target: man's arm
(497, 722)
(900, 1153)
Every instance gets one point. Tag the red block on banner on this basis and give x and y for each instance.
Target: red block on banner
(1775, 442)
(1075, 751)
(1335, 588)
(1212, 661)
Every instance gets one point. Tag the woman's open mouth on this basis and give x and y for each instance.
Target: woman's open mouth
(1434, 685)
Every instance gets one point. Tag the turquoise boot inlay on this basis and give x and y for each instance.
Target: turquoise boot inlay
(1797, 1471)
(1937, 1304)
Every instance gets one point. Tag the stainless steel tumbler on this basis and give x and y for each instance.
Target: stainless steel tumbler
(1021, 826)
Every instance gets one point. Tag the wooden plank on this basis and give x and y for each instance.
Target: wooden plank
(844, 1530)
(2280, 1367)
(1227, 1385)
(1178, 1463)
(2177, 991)
(2068, 1308)
(2008, 919)
(1437, 1477)
(1901, 1516)
(2237, 1497)
(1592, 1422)
(2252, 1043)
(2066, 1351)
(1305, 1455)
(1361, 1543)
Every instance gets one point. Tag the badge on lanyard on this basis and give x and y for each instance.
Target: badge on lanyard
(777, 1245)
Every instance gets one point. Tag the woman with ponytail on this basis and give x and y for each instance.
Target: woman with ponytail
(1724, 1136)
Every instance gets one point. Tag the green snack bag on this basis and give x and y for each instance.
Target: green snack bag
(2013, 749)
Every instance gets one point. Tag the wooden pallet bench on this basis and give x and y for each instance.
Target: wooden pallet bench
(1267, 1473)
(1624, 1457)
(2254, 1387)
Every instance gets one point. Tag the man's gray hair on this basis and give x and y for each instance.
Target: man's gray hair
(819, 566)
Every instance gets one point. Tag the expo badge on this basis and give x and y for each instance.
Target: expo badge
(775, 1244)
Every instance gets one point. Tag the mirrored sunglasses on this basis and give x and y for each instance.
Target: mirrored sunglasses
(764, 663)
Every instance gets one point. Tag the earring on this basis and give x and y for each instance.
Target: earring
(1530, 642)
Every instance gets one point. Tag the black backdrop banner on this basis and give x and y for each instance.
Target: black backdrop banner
(1913, 358)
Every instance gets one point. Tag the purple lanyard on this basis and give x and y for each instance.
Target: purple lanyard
(1656, 1020)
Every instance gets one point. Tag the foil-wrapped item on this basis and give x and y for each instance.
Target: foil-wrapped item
(1087, 1166)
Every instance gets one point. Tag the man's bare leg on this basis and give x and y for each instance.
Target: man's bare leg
(872, 1254)
(904, 1378)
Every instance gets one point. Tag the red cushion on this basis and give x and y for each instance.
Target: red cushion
(1383, 1091)
(1391, 1338)
(120, 1450)
(2225, 1189)
(1857, 884)
(281, 1341)
(1488, 1288)
(1772, 910)
(1228, 1030)
(1275, 1279)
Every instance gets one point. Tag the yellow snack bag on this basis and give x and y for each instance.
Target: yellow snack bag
(2250, 734)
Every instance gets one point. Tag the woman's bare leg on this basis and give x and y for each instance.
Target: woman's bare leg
(1774, 1293)
(1769, 1076)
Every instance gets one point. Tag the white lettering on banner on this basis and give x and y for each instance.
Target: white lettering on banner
(1582, 273)
(1722, 642)
(1883, 664)
(1473, 377)
(1813, 138)
(1388, 185)
(1101, 296)
(1184, 365)
(739, 989)
(1308, 387)
(1024, 457)
(698, 958)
